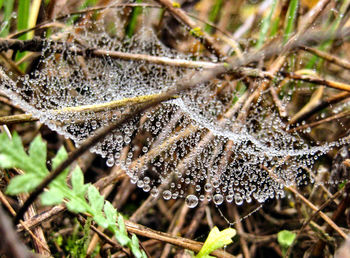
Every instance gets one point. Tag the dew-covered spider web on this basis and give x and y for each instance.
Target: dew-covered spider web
(196, 146)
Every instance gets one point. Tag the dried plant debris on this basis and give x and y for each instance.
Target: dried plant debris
(195, 146)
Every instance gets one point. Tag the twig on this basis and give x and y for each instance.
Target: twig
(87, 10)
(240, 230)
(329, 57)
(37, 235)
(85, 108)
(179, 222)
(8, 206)
(38, 240)
(10, 244)
(179, 14)
(321, 81)
(322, 215)
(103, 236)
(15, 119)
(323, 104)
(178, 241)
(8, 102)
(329, 221)
(316, 123)
(344, 204)
(324, 205)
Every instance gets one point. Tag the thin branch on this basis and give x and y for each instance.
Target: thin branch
(337, 214)
(323, 104)
(178, 224)
(178, 241)
(321, 81)
(87, 10)
(15, 119)
(279, 61)
(38, 240)
(240, 230)
(306, 222)
(329, 57)
(181, 15)
(45, 216)
(329, 221)
(10, 244)
(316, 123)
(103, 236)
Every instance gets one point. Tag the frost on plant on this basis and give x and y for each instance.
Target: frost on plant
(197, 143)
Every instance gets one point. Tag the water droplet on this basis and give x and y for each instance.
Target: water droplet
(167, 195)
(110, 162)
(191, 201)
(238, 199)
(207, 187)
(218, 199)
(154, 191)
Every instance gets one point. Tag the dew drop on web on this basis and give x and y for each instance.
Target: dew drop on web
(191, 201)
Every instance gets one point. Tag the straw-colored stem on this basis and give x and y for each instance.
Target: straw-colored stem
(85, 108)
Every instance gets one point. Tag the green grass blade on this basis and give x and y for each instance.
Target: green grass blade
(333, 27)
(88, 3)
(274, 27)
(8, 9)
(290, 19)
(22, 24)
(266, 24)
(23, 16)
(33, 16)
(136, 11)
(213, 15)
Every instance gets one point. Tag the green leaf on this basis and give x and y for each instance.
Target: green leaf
(135, 247)
(6, 162)
(22, 24)
(101, 220)
(12, 153)
(95, 199)
(52, 197)
(215, 240)
(110, 212)
(61, 156)
(23, 184)
(121, 224)
(77, 179)
(37, 153)
(76, 206)
(285, 238)
(122, 238)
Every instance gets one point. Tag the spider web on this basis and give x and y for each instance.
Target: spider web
(192, 147)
